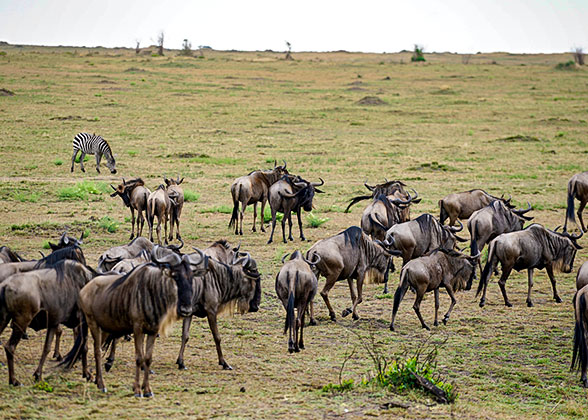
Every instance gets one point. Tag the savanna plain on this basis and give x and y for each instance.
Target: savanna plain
(512, 124)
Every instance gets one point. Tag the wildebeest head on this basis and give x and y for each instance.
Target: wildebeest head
(521, 215)
(172, 181)
(180, 270)
(122, 191)
(66, 241)
(467, 273)
(280, 170)
(250, 284)
(449, 236)
(305, 193)
(567, 253)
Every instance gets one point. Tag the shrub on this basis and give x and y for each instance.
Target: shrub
(86, 158)
(82, 190)
(417, 54)
(191, 196)
(568, 65)
(315, 221)
(108, 224)
(58, 162)
(267, 215)
(345, 385)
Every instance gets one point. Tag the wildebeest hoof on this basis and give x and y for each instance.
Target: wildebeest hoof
(226, 366)
(302, 238)
(37, 376)
(104, 390)
(132, 236)
(58, 357)
(482, 303)
(312, 322)
(426, 327)
(529, 304)
(297, 349)
(333, 317)
(83, 170)
(557, 299)
(25, 336)
(391, 327)
(510, 304)
(269, 242)
(108, 365)
(301, 346)
(445, 319)
(436, 324)
(355, 317)
(345, 312)
(148, 395)
(290, 350)
(181, 366)
(15, 383)
(137, 395)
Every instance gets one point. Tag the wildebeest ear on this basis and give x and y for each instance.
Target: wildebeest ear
(319, 191)
(53, 246)
(180, 181)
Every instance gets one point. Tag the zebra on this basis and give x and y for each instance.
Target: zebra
(92, 145)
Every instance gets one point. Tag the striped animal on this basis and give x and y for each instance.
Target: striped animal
(93, 145)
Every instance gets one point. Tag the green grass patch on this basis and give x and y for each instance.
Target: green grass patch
(345, 385)
(315, 221)
(433, 167)
(86, 158)
(223, 208)
(208, 160)
(25, 196)
(132, 153)
(108, 224)
(191, 196)
(58, 162)
(267, 215)
(83, 191)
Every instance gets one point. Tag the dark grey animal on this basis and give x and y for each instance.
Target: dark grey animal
(349, 255)
(221, 251)
(577, 189)
(176, 194)
(251, 189)
(118, 253)
(440, 268)
(580, 352)
(527, 249)
(134, 194)
(225, 288)
(7, 255)
(92, 144)
(461, 205)
(383, 213)
(41, 299)
(393, 189)
(145, 301)
(126, 265)
(296, 286)
(493, 220)
(582, 276)
(291, 195)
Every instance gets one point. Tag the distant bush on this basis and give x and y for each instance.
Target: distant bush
(579, 56)
(568, 65)
(417, 54)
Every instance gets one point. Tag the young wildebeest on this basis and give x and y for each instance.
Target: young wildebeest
(159, 204)
(578, 189)
(118, 253)
(41, 299)
(7, 255)
(251, 189)
(296, 286)
(533, 247)
(462, 205)
(176, 193)
(134, 194)
(145, 301)
(288, 195)
(580, 354)
(383, 213)
(440, 268)
(349, 255)
(226, 287)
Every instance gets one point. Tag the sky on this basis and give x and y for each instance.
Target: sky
(463, 26)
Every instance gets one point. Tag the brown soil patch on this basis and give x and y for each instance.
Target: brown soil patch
(371, 100)
(6, 92)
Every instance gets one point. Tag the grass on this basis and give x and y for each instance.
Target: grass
(239, 111)
(191, 196)
(315, 221)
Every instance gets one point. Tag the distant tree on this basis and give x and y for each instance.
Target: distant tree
(201, 50)
(579, 56)
(137, 47)
(160, 38)
(186, 48)
(417, 54)
(289, 52)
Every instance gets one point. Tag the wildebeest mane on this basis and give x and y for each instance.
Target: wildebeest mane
(352, 235)
(222, 242)
(14, 257)
(73, 252)
(554, 244)
(424, 222)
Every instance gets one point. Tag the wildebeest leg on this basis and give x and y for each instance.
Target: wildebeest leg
(254, 229)
(271, 238)
(10, 347)
(436, 293)
(46, 349)
(241, 216)
(347, 311)
(217, 340)
(290, 237)
(502, 283)
(165, 223)
(297, 330)
(549, 270)
(359, 298)
(530, 276)
(147, 393)
(580, 210)
(417, 308)
(185, 337)
(178, 235)
(172, 220)
(283, 223)
(158, 229)
(56, 352)
(82, 157)
(140, 222)
(139, 360)
(73, 159)
(312, 320)
(111, 355)
(97, 336)
(398, 296)
(133, 223)
(453, 302)
(325, 294)
(98, 158)
(261, 216)
(299, 216)
(301, 314)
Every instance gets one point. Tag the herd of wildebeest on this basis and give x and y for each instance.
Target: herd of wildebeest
(141, 288)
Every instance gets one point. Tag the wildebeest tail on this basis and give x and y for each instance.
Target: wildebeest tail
(485, 276)
(235, 213)
(442, 213)
(377, 224)
(150, 213)
(580, 354)
(571, 194)
(290, 306)
(75, 353)
(401, 290)
(474, 244)
(357, 200)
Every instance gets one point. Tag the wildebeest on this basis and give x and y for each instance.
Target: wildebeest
(7, 255)
(580, 352)
(251, 189)
(288, 195)
(493, 220)
(582, 276)
(578, 189)
(145, 301)
(388, 188)
(296, 286)
(126, 265)
(440, 268)
(176, 194)
(349, 255)
(134, 194)
(118, 253)
(41, 299)
(462, 205)
(530, 248)
(383, 213)
(159, 204)
(226, 287)
(221, 251)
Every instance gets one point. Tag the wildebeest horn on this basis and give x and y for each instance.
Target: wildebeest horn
(454, 229)
(43, 255)
(113, 187)
(81, 237)
(315, 262)
(398, 201)
(389, 243)
(555, 230)
(236, 249)
(316, 184)
(572, 237)
(368, 186)
(176, 248)
(474, 257)
(284, 257)
(520, 212)
(124, 182)
(171, 257)
(202, 257)
(284, 167)
(246, 258)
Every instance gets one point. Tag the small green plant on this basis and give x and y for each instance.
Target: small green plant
(58, 162)
(25, 196)
(46, 244)
(86, 158)
(43, 386)
(267, 215)
(568, 65)
(132, 153)
(82, 190)
(224, 209)
(345, 385)
(417, 54)
(108, 224)
(315, 221)
(191, 196)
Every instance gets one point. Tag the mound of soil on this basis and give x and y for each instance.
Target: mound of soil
(356, 89)
(68, 118)
(6, 92)
(356, 83)
(371, 100)
(134, 70)
(519, 137)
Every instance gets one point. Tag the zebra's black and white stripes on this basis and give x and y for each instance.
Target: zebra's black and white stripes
(92, 144)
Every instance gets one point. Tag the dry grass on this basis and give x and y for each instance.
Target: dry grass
(438, 129)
